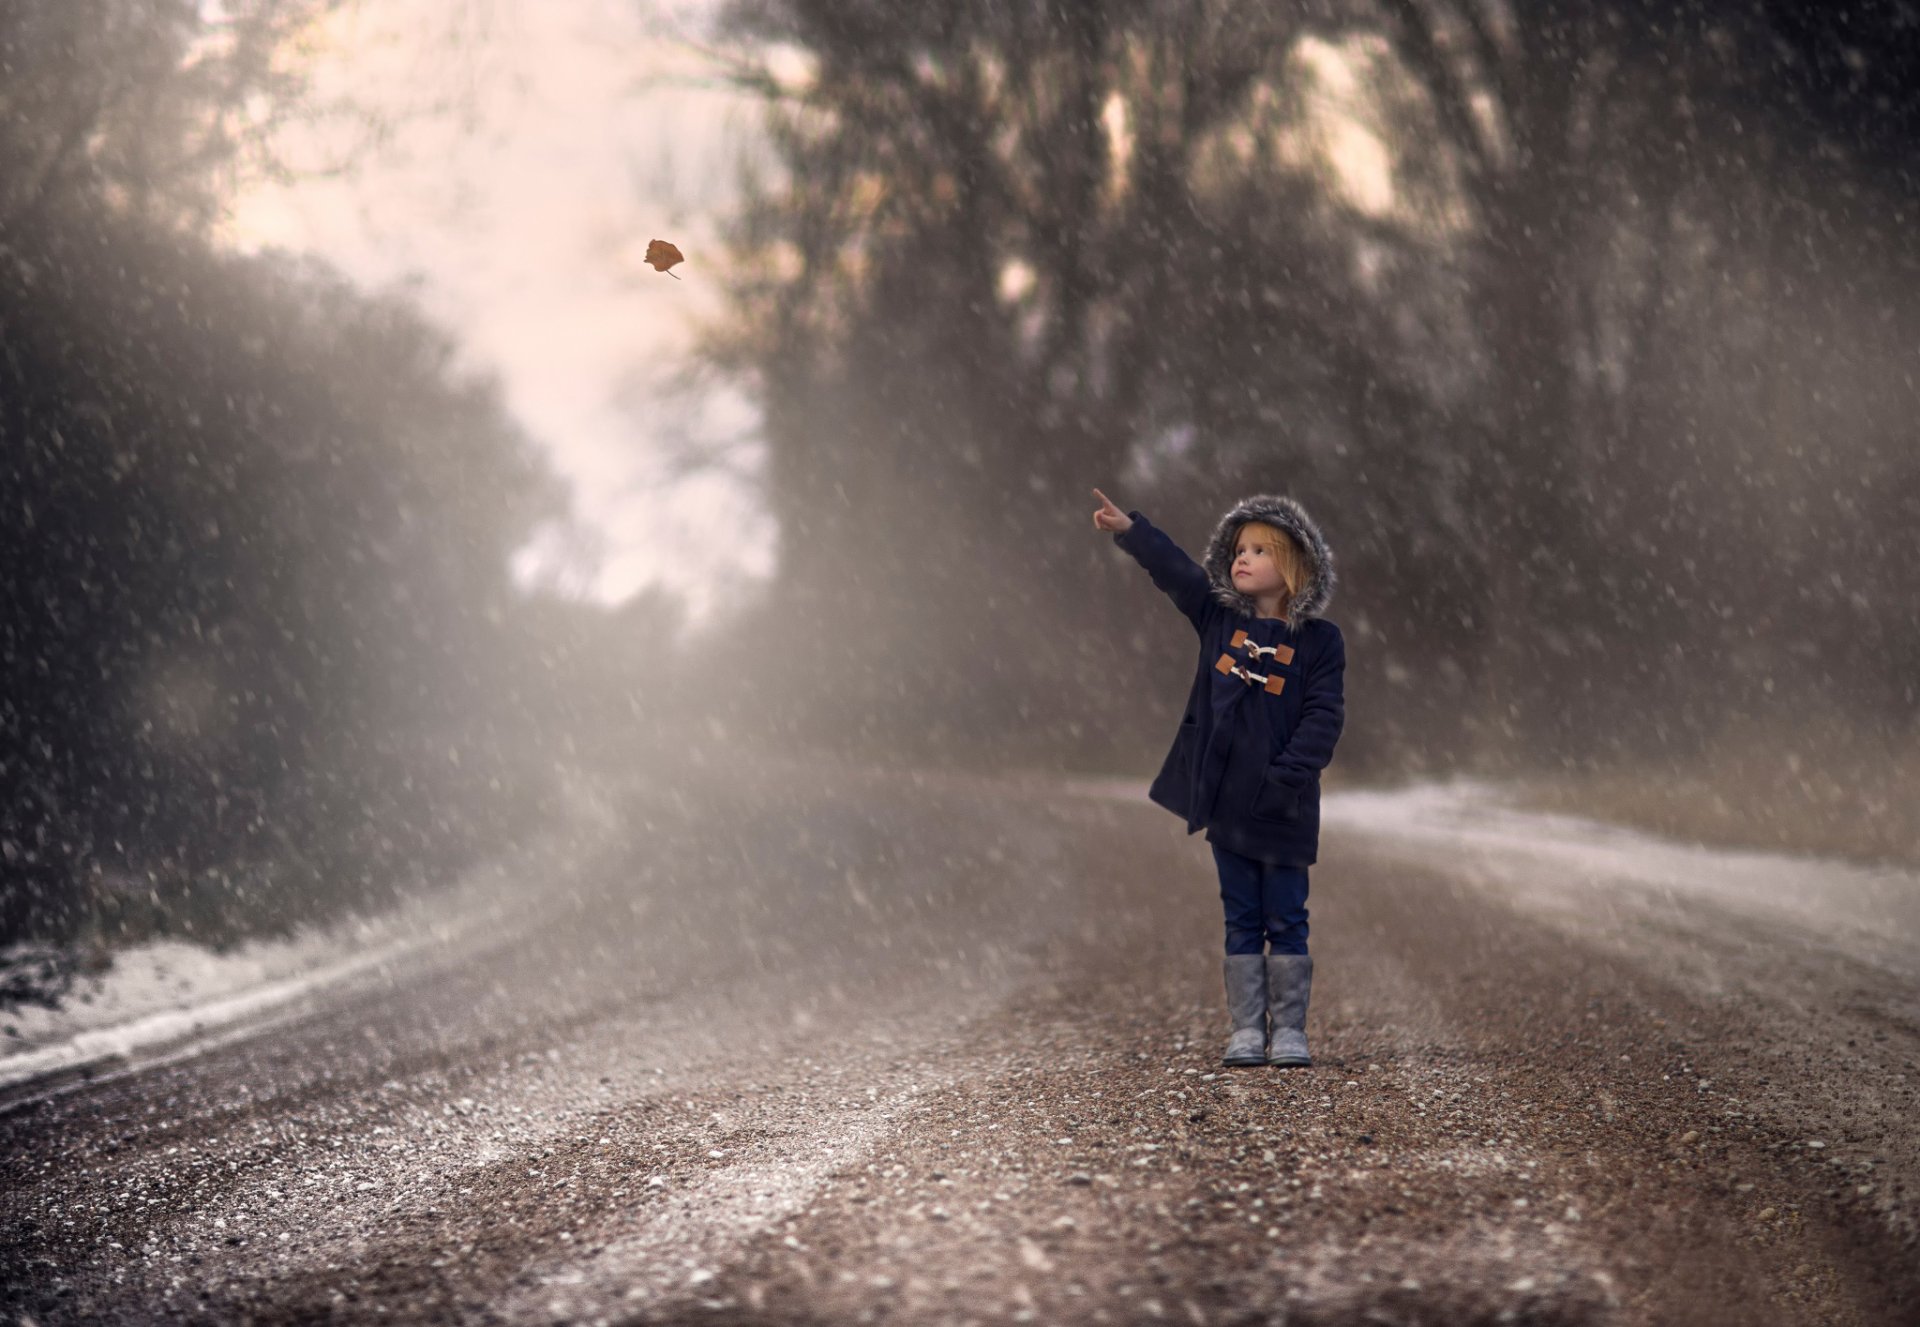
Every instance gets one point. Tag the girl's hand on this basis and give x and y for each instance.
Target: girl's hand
(1110, 517)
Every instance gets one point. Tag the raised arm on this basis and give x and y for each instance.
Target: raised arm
(1178, 576)
(1323, 713)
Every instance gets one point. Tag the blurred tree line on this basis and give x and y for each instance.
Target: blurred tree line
(1605, 405)
(260, 657)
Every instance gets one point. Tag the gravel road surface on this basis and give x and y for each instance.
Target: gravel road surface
(820, 1044)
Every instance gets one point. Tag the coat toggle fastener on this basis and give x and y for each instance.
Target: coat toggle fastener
(1271, 682)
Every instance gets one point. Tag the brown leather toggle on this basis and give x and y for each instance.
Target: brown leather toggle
(1281, 653)
(1272, 683)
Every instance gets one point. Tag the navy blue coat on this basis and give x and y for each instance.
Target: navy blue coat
(1245, 764)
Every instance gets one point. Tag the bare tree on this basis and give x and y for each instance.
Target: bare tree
(1012, 247)
(137, 104)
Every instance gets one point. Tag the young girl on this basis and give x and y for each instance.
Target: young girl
(1267, 705)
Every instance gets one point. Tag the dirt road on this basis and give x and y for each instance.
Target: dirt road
(826, 1045)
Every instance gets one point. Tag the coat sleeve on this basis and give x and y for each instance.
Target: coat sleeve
(1179, 576)
(1323, 713)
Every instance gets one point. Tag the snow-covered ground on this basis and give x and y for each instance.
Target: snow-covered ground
(179, 996)
(1559, 865)
(168, 992)
(168, 999)
(1556, 864)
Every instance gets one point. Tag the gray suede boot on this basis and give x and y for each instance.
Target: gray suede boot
(1246, 978)
(1289, 982)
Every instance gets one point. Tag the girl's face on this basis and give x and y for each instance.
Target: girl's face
(1256, 571)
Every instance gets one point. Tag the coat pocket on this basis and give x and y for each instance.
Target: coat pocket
(1271, 801)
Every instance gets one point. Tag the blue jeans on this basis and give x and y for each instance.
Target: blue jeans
(1263, 902)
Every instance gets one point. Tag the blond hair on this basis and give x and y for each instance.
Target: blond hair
(1287, 554)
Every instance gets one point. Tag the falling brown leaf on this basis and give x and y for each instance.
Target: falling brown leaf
(662, 255)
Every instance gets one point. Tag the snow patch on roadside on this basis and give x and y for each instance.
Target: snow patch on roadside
(1589, 872)
(167, 989)
(159, 993)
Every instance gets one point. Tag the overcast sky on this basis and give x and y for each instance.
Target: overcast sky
(537, 146)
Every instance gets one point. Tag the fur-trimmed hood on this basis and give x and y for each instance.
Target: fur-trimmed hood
(1282, 513)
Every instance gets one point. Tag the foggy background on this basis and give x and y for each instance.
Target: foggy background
(362, 487)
